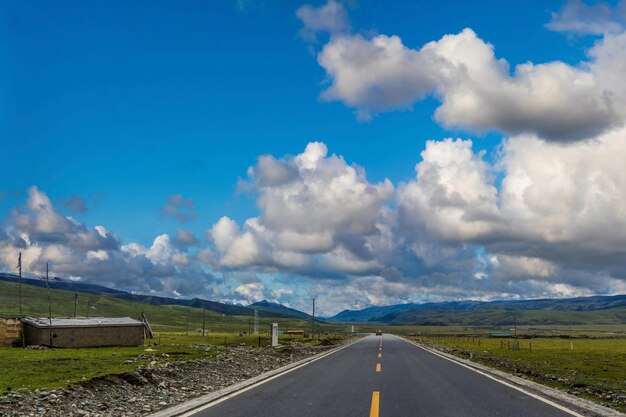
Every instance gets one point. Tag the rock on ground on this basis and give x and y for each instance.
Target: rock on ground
(152, 388)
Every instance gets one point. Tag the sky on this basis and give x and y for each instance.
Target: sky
(357, 152)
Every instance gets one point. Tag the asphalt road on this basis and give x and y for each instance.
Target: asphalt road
(381, 377)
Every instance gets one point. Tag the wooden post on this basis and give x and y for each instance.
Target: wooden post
(313, 321)
(49, 306)
(187, 326)
(203, 320)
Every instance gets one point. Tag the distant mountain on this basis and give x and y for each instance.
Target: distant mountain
(596, 309)
(276, 310)
(370, 313)
(273, 309)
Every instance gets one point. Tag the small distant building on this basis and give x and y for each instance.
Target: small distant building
(500, 335)
(80, 333)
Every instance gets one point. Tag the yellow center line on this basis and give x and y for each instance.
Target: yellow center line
(375, 404)
(377, 367)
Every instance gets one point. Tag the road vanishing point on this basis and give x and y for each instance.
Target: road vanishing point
(381, 376)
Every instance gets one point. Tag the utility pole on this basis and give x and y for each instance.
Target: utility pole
(50, 305)
(203, 320)
(313, 321)
(19, 280)
(75, 304)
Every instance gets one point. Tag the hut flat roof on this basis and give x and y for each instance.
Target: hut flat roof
(44, 322)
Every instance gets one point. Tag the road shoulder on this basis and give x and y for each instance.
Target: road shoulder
(544, 393)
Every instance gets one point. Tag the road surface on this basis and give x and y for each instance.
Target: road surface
(381, 376)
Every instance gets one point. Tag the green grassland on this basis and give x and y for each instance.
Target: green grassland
(32, 369)
(162, 318)
(590, 366)
(178, 331)
(581, 352)
(45, 369)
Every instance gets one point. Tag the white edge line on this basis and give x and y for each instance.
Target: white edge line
(241, 391)
(530, 394)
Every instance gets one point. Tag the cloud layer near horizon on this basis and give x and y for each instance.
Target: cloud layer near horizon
(547, 218)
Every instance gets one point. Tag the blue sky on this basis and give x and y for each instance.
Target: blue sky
(131, 103)
(126, 104)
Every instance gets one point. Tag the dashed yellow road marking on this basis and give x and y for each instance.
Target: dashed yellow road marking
(377, 367)
(375, 404)
(380, 355)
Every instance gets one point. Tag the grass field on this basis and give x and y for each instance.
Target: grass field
(591, 367)
(163, 318)
(178, 331)
(45, 369)
(588, 360)
(31, 369)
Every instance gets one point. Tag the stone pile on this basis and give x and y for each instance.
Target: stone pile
(153, 387)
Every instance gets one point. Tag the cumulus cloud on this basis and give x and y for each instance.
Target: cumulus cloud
(537, 218)
(179, 208)
(75, 204)
(312, 205)
(595, 19)
(545, 219)
(452, 198)
(478, 91)
(185, 238)
(44, 235)
(556, 205)
(331, 17)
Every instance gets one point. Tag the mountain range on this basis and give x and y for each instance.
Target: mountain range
(580, 310)
(266, 308)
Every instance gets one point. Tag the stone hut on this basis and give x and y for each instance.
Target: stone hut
(85, 332)
(10, 331)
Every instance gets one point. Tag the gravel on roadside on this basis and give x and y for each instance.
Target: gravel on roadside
(154, 387)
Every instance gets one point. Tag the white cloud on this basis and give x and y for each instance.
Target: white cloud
(43, 235)
(253, 291)
(596, 19)
(185, 238)
(557, 205)
(452, 197)
(331, 17)
(557, 101)
(179, 207)
(311, 204)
